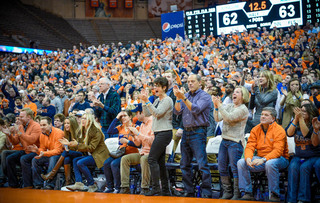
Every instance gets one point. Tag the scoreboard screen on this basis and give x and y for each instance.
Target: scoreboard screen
(311, 11)
(201, 22)
(251, 14)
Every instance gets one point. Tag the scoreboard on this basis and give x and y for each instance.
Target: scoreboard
(201, 22)
(251, 14)
(311, 11)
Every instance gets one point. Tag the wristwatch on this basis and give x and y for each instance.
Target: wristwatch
(264, 159)
(185, 99)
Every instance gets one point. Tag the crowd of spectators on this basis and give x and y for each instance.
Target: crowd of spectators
(279, 68)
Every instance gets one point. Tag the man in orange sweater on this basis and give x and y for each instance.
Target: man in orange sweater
(48, 152)
(270, 141)
(26, 133)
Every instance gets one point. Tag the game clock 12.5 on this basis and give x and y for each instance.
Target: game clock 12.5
(252, 14)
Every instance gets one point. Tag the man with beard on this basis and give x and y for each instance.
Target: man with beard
(62, 96)
(67, 103)
(227, 98)
(82, 104)
(40, 99)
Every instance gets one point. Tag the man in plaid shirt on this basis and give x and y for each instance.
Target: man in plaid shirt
(108, 104)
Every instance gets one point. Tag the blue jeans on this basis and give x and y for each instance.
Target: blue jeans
(19, 157)
(299, 187)
(4, 155)
(272, 168)
(193, 144)
(80, 165)
(317, 168)
(229, 152)
(25, 162)
(69, 156)
(11, 162)
(111, 168)
(37, 165)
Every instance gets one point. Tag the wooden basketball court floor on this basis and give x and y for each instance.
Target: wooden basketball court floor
(10, 195)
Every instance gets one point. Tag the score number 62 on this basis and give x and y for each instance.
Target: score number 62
(226, 18)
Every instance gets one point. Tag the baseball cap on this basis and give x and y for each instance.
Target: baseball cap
(220, 80)
(138, 108)
(80, 113)
(315, 86)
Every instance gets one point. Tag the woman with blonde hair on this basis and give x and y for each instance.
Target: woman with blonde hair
(234, 116)
(263, 95)
(92, 144)
(71, 133)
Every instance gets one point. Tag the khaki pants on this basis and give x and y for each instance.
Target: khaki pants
(135, 159)
(177, 157)
(212, 158)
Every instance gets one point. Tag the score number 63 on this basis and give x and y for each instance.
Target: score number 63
(283, 11)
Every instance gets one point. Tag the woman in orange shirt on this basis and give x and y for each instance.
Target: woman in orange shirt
(112, 165)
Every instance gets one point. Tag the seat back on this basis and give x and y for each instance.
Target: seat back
(169, 148)
(246, 136)
(291, 145)
(213, 145)
(178, 150)
(173, 154)
(112, 143)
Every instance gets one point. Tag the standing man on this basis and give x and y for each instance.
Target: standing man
(48, 153)
(270, 141)
(108, 105)
(27, 133)
(195, 109)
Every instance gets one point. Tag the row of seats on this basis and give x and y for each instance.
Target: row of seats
(212, 148)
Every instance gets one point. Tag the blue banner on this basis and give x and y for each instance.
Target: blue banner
(172, 24)
(20, 50)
